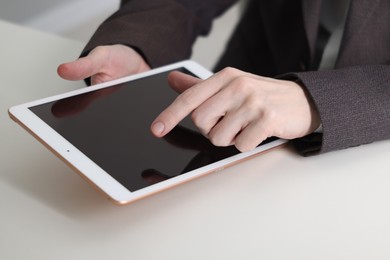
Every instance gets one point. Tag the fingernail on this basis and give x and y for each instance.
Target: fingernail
(158, 128)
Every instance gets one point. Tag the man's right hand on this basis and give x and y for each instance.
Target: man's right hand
(104, 63)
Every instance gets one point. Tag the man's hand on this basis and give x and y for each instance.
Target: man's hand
(104, 63)
(235, 107)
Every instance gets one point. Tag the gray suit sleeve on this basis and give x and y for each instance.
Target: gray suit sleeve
(353, 103)
(155, 28)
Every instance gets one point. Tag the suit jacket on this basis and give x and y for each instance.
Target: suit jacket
(278, 39)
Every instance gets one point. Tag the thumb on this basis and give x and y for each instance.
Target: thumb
(82, 68)
(180, 81)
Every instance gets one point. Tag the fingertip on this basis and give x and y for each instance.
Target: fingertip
(158, 129)
(78, 69)
(68, 71)
(62, 70)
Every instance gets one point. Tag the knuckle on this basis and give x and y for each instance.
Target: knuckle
(255, 107)
(218, 140)
(199, 121)
(243, 147)
(186, 98)
(243, 85)
(243, 81)
(246, 145)
(251, 138)
(172, 115)
(229, 71)
(243, 144)
(269, 116)
(197, 118)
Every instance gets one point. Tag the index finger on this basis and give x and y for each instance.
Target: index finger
(185, 103)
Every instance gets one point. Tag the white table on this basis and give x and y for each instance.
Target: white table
(276, 206)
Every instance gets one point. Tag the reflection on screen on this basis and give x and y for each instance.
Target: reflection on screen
(111, 127)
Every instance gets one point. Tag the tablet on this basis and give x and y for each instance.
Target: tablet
(103, 133)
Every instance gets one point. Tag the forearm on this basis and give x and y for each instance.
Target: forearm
(162, 31)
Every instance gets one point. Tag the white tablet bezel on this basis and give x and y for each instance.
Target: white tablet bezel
(91, 171)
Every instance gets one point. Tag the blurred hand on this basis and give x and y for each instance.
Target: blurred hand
(104, 63)
(235, 107)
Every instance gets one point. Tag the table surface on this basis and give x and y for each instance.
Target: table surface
(276, 206)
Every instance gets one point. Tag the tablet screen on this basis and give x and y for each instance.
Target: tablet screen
(111, 126)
